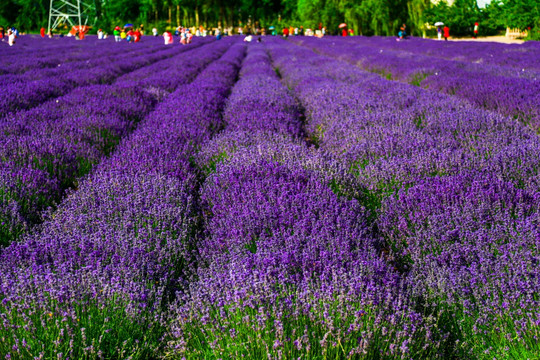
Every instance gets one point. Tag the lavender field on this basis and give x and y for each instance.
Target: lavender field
(336, 198)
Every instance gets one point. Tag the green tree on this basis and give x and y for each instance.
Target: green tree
(416, 10)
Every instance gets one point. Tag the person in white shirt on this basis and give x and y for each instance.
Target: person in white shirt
(11, 37)
(167, 37)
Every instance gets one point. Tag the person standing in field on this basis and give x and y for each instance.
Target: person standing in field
(2, 33)
(285, 32)
(11, 37)
(475, 30)
(446, 31)
(439, 32)
(137, 35)
(123, 34)
(130, 35)
(403, 31)
(167, 37)
(116, 33)
(183, 37)
(344, 32)
(42, 32)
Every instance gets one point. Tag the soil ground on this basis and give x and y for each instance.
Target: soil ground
(501, 39)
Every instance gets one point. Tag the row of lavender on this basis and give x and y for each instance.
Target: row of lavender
(34, 52)
(94, 281)
(513, 93)
(101, 66)
(454, 196)
(48, 54)
(44, 150)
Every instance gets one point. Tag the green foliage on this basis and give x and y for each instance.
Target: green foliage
(91, 331)
(460, 17)
(494, 18)
(245, 332)
(520, 13)
(416, 10)
(25, 14)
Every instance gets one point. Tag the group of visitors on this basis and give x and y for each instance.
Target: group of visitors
(11, 34)
(131, 34)
(185, 34)
(445, 31)
(128, 33)
(299, 31)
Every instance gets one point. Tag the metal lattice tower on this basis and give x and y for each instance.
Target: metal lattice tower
(74, 12)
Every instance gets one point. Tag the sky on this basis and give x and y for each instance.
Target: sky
(483, 3)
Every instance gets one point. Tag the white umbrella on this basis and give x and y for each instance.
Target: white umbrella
(439, 23)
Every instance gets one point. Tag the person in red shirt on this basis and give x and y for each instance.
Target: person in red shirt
(344, 32)
(136, 36)
(42, 32)
(286, 32)
(446, 31)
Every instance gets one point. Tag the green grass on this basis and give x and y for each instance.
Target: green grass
(87, 331)
(216, 159)
(466, 338)
(417, 79)
(238, 332)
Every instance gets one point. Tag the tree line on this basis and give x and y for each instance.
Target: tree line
(365, 17)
